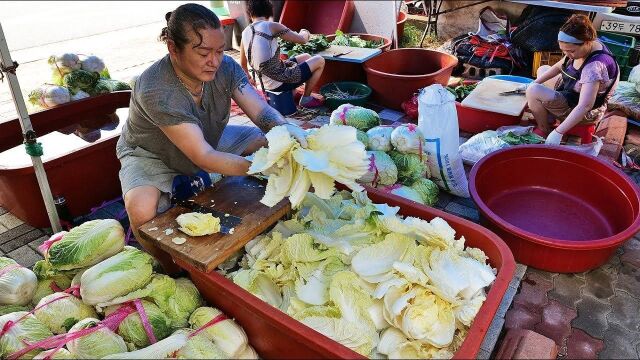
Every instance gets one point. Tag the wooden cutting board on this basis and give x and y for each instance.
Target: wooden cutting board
(486, 96)
(236, 195)
(355, 54)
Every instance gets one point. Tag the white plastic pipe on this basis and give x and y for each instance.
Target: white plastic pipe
(25, 124)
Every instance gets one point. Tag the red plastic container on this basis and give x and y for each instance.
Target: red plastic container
(402, 18)
(396, 74)
(85, 172)
(319, 17)
(335, 70)
(476, 121)
(276, 335)
(557, 209)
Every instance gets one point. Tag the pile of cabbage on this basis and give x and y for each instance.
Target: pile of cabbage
(89, 279)
(395, 156)
(333, 154)
(397, 163)
(378, 283)
(74, 77)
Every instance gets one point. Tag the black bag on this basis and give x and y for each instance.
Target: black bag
(538, 28)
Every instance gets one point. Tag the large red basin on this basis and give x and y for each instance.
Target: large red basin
(557, 209)
(319, 17)
(396, 74)
(275, 334)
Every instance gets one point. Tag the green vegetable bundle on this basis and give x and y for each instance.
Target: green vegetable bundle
(343, 39)
(315, 44)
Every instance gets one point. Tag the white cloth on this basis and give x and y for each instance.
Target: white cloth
(261, 50)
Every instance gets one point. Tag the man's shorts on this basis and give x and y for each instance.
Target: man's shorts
(141, 167)
(305, 76)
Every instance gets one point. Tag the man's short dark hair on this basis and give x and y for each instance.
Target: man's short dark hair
(259, 8)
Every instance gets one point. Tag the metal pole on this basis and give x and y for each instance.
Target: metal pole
(25, 124)
(394, 34)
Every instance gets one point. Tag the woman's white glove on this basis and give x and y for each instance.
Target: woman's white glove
(554, 138)
(297, 133)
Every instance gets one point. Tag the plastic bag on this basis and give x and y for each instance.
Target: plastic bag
(592, 149)
(481, 145)
(438, 121)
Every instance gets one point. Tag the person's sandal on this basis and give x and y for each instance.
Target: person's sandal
(311, 103)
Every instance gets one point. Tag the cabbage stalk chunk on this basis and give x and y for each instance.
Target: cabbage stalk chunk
(198, 224)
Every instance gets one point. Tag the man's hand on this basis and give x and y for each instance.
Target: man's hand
(297, 133)
(553, 138)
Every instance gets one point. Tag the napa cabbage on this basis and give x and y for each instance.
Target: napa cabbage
(382, 170)
(411, 167)
(17, 284)
(356, 116)
(380, 138)
(60, 311)
(86, 245)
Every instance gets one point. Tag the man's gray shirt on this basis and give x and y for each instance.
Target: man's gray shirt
(159, 99)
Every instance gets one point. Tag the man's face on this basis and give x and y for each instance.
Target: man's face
(202, 61)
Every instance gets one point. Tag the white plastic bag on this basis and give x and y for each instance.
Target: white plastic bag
(481, 145)
(438, 121)
(592, 149)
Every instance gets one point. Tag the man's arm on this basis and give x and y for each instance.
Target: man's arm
(263, 115)
(190, 140)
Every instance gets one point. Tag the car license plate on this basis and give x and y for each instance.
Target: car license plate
(620, 27)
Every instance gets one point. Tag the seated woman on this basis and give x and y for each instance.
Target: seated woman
(259, 47)
(589, 77)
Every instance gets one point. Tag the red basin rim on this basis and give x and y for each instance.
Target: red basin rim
(608, 242)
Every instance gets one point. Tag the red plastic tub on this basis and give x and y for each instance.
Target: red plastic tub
(402, 19)
(557, 209)
(276, 335)
(79, 140)
(476, 121)
(319, 17)
(396, 74)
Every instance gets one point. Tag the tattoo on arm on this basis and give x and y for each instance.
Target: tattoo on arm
(242, 85)
(269, 118)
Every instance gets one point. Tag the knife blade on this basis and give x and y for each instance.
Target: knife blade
(513, 92)
(344, 53)
(227, 221)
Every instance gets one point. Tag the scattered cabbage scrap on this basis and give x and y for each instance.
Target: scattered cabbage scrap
(333, 154)
(17, 284)
(356, 116)
(198, 224)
